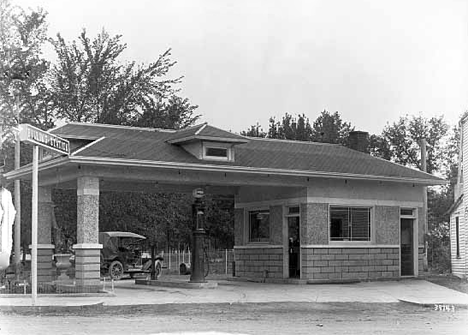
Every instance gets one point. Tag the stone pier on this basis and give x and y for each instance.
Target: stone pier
(87, 249)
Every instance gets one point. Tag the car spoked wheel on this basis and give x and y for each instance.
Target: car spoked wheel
(116, 270)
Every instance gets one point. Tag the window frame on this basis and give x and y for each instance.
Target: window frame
(351, 242)
(249, 225)
(213, 145)
(457, 237)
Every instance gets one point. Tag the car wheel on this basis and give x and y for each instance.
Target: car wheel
(116, 270)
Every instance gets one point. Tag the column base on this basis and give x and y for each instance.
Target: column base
(87, 266)
(46, 271)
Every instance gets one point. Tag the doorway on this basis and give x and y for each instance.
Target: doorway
(294, 248)
(407, 247)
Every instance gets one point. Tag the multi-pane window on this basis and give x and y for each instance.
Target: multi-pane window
(216, 152)
(350, 223)
(259, 226)
(457, 235)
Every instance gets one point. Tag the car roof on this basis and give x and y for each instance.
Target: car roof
(123, 234)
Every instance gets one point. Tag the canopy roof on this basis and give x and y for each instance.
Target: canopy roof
(110, 145)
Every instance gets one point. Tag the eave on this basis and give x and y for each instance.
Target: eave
(62, 161)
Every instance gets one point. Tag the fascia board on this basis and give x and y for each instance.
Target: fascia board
(216, 168)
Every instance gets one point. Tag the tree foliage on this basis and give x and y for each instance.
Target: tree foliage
(327, 128)
(401, 141)
(90, 84)
(23, 68)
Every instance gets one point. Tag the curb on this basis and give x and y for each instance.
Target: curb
(432, 305)
(51, 308)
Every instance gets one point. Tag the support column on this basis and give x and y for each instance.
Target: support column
(45, 269)
(87, 249)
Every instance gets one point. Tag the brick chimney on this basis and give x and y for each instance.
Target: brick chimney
(359, 140)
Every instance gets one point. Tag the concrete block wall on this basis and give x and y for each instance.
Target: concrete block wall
(253, 261)
(350, 263)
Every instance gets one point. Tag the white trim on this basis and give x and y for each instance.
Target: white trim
(87, 146)
(333, 246)
(87, 246)
(363, 202)
(258, 246)
(43, 246)
(200, 129)
(275, 202)
(220, 168)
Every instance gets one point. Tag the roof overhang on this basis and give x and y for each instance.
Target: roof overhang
(25, 171)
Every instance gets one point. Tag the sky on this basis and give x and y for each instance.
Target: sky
(246, 61)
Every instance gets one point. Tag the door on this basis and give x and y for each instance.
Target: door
(294, 247)
(407, 247)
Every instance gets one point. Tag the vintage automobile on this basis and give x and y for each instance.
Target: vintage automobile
(126, 253)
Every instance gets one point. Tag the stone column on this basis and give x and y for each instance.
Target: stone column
(45, 269)
(87, 249)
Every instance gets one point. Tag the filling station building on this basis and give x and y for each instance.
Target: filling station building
(304, 211)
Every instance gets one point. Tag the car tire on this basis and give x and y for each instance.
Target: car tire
(116, 270)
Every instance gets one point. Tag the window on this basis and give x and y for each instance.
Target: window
(259, 222)
(406, 212)
(294, 210)
(457, 235)
(350, 223)
(216, 152)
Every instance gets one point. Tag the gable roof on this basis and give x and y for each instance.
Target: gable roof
(123, 145)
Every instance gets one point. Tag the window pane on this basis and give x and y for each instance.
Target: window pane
(293, 210)
(216, 152)
(360, 218)
(406, 211)
(349, 224)
(339, 222)
(259, 226)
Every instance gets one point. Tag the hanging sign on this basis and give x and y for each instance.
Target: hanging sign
(48, 141)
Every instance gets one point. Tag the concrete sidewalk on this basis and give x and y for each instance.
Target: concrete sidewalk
(126, 293)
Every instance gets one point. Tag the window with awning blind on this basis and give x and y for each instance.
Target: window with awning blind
(350, 223)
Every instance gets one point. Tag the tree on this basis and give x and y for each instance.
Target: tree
(23, 69)
(175, 113)
(330, 128)
(401, 140)
(90, 84)
(254, 131)
(290, 128)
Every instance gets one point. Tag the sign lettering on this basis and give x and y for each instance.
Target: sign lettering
(44, 139)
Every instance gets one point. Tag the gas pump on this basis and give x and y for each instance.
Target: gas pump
(198, 236)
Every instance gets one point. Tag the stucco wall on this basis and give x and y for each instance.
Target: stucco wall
(421, 222)
(276, 225)
(239, 226)
(387, 224)
(314, 224)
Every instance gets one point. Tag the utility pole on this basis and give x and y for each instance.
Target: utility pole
(17, 196)
(426, 225)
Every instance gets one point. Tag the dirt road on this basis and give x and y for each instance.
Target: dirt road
(271, 318)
